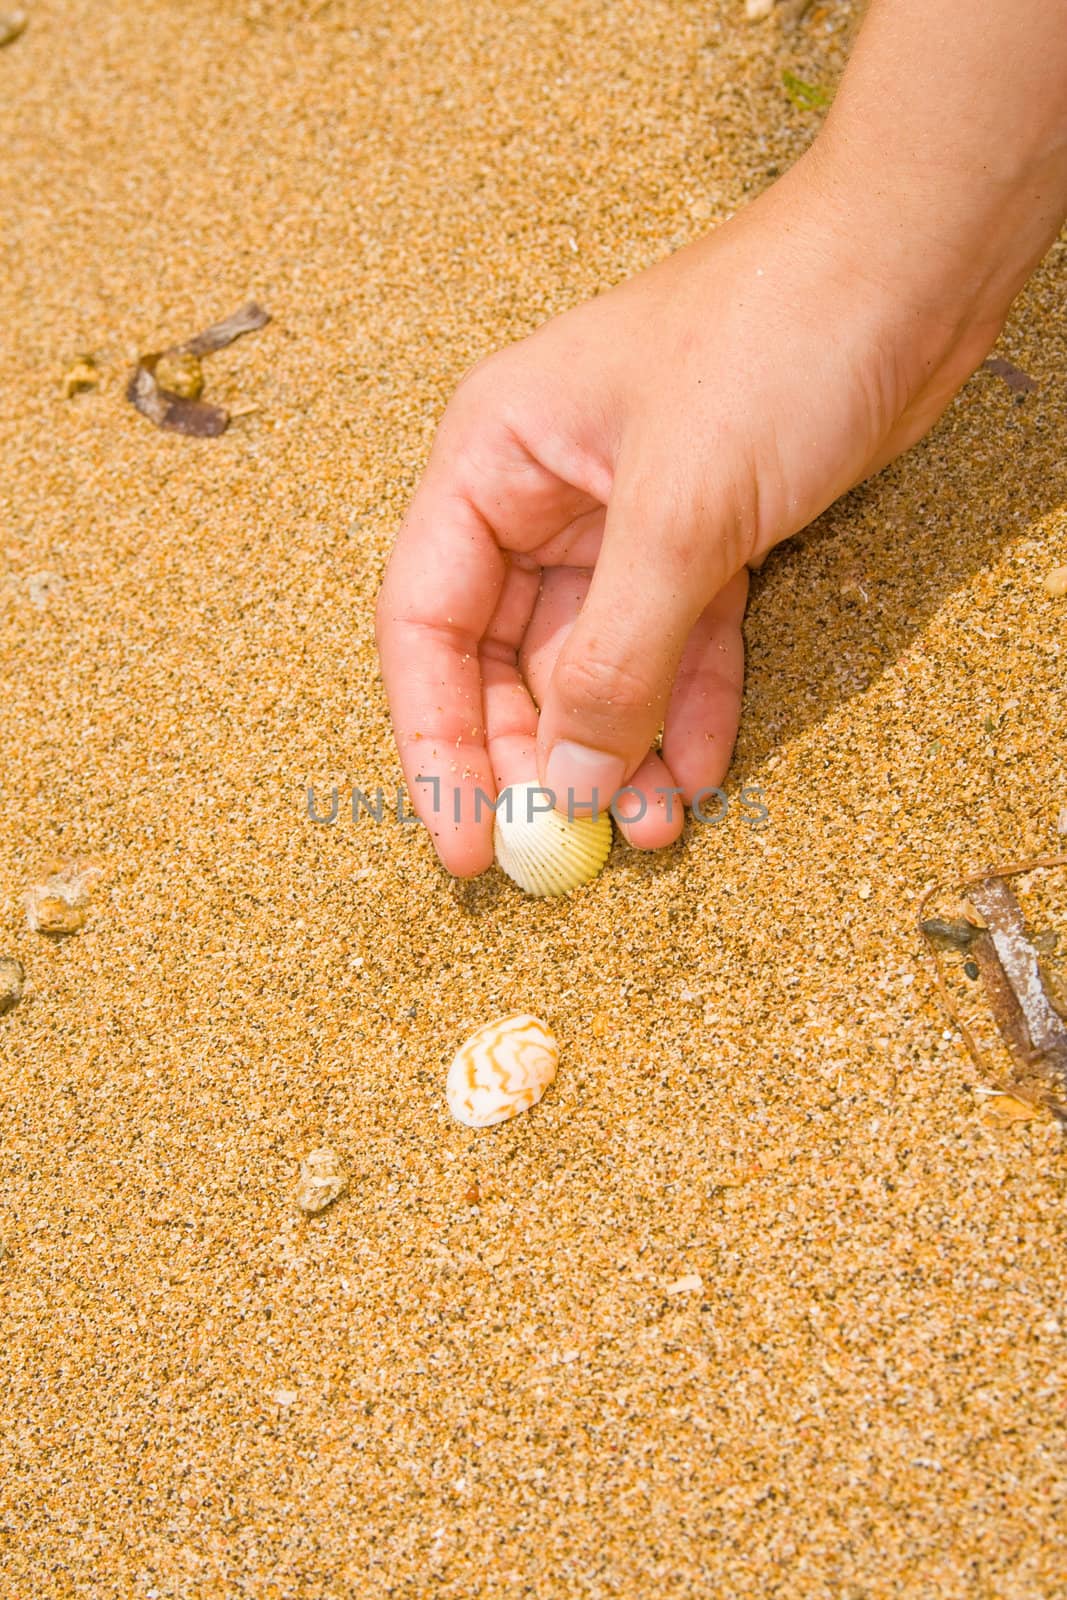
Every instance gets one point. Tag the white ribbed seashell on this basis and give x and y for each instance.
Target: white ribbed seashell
(502, 1069)
(542, 851)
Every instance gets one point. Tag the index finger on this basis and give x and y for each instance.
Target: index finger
(440, 591)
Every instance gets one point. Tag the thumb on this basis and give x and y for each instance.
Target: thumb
(658, 567)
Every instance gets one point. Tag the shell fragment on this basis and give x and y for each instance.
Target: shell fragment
(12, 982)
(58, 904)
(502, 1069)
(322, 1181)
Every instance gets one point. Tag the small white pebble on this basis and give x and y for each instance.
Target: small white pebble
(692, 1283)
(1056, 582)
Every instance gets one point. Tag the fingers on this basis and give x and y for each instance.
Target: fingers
(510, 713)
(649, 810)
(577, 545)
(444, 580)
(563, 591)
(704, 709)
(438, 629)
(650, 813)
(659, 564)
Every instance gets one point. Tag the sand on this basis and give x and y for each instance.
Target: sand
(469, 1376)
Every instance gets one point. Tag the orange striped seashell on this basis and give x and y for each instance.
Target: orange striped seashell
(502, 1069)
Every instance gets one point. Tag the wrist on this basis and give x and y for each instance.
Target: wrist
(945, 151)
(959, 249)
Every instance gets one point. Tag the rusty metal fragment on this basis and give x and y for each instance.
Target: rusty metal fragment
(1030, 1025)
(1024, 994)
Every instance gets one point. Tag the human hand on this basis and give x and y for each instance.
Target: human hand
(571, 575)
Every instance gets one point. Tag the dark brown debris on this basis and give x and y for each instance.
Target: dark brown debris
(220, 334)
(181, 413)
(169, 410)
(1019, 382)
(950, 933)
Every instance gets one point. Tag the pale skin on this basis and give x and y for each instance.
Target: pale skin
(565, 596)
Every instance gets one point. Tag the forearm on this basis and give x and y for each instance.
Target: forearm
(947, 143)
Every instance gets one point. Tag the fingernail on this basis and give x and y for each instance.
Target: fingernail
(580, 777)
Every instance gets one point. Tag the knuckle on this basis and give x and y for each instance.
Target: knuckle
(484, 413)
(594, 680)
(485, 378)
